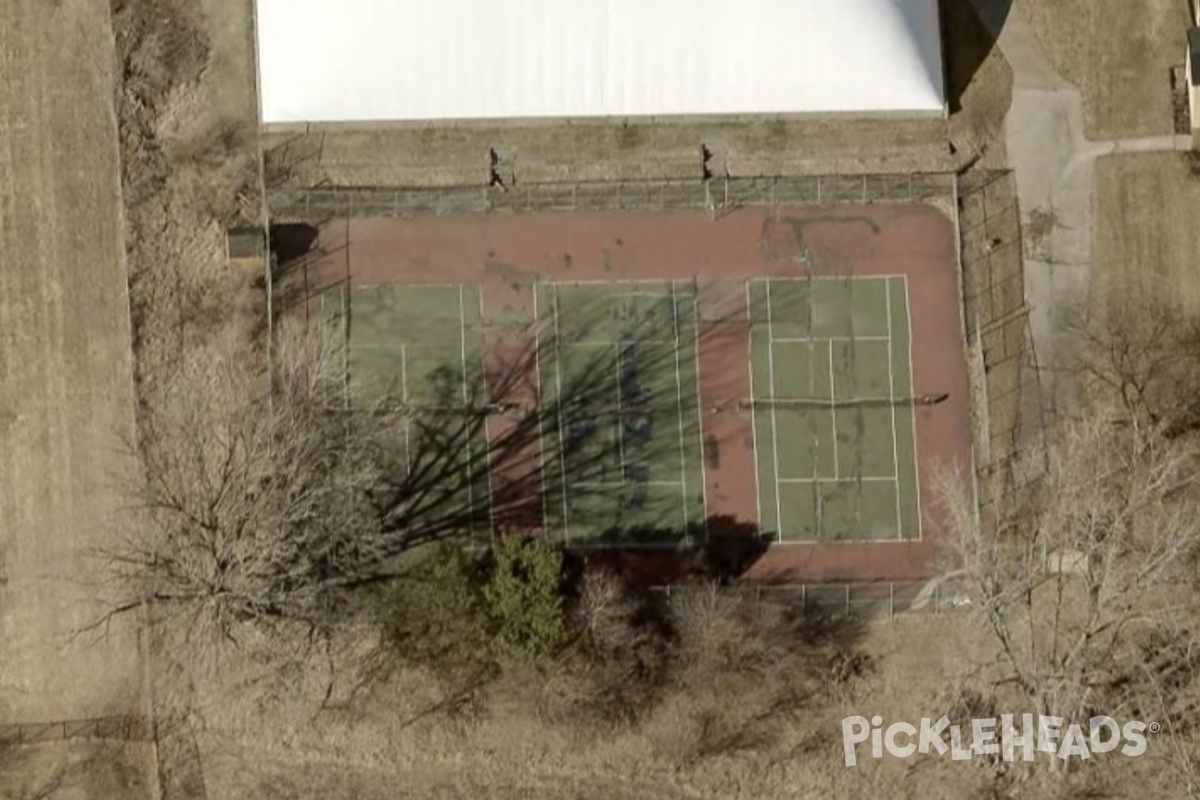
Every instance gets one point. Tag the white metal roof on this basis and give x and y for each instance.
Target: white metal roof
(372, 60)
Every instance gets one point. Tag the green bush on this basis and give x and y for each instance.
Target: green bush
(523, 600)
(435, 615)
(450, 614)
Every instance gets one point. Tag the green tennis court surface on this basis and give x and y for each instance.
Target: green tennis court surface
(619, 413)
(833, 422)
(621, 437)
(416, 343)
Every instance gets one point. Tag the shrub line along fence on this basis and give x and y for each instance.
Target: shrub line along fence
(717, 195)
(995, 314)
(127, 728)
(858, 598)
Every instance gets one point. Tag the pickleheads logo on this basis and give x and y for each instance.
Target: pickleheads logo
(990, 737)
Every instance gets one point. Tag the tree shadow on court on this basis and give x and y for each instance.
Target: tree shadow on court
(561, 429)
(721, 550)
(286, 506)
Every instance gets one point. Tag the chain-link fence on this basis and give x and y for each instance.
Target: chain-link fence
(1009, 415)
(875, 599)
(122, 728)
(716, 196)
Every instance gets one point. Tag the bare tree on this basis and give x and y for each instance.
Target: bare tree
(1142, 359)
(282, 507)
(1086, 582)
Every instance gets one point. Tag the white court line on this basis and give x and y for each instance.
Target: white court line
(824, 402)
(865, 479)
(753, 416)
(562, 436)
(620, 417)
(603, 282)
(802, 339)
(700, 416)
(345, 323)
(612, 342)
(487, 422)
(913, 413)
(895, 445)
(774, 419)
(537, 372)
(808, 278)
(392, 347)
(640, 293)
(622, 484)
(679, 411)
(404, 397)
(358, 285)
(837, 467)
(466, 392)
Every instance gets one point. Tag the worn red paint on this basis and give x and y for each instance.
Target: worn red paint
(506, 254)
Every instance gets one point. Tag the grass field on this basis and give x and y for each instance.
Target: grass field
(1145, 244)
(1119, 53)
(66, 393)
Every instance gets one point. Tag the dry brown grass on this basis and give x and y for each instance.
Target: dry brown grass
(72, 770)
(1119, 53)
(731, 719)
(1145, 244)
(455, 155)
(65, 394)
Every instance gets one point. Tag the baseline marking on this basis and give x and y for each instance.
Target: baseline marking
(892, 390)
(837, 468)
(404, 396)
(774, 424)
(562, 436)
(913, 412)
(621, 484)
(753, 417)
(700, 414)
(537, 371)
(679, 410)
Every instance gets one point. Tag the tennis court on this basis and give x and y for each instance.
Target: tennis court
(621, 447)
(833, 411)
(416, 344)
(634, 379)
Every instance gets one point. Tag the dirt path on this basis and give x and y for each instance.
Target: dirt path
(66, 398)
(1053, 160)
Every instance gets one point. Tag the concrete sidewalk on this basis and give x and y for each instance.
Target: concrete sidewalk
(1053, 161)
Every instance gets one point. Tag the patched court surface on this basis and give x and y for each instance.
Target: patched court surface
(798, 370)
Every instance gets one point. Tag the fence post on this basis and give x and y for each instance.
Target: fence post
(847, 599)
(891, 600)
(803, 597)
